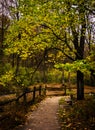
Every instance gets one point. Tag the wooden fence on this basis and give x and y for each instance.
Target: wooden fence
(27, 96)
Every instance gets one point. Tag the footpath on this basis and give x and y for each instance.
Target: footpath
(44, 117)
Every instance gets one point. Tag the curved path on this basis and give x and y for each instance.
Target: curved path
(44, 117)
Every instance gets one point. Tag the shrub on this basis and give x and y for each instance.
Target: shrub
(80, 116)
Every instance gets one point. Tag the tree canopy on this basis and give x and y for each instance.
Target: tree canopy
(60, 29)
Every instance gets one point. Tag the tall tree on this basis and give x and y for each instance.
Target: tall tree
(52, 24)
(4, 24)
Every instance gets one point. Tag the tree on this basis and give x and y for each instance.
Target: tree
(56, 25)
(4, 24)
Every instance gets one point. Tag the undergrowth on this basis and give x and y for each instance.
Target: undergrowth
(79, 116)
(16, 114)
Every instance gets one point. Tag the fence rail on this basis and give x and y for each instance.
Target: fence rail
(41, 91)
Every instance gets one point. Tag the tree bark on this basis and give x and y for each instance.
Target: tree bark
(80, 85)
(17, 65)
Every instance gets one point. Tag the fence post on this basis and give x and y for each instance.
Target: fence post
(64, 87)
(45, 89)
(34, 93)
(17, 101)
(40, 87)
(25, 95)
(17, 98)
(24, 98)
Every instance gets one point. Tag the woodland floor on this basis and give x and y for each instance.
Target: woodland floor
(45, 116)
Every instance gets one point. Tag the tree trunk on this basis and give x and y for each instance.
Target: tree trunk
(92, 78)
(44, 67)
(63, 81)
(69, 81)
(17, 65)
(80, 85)
(2, 35)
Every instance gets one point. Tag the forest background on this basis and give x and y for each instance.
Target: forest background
(47, 41)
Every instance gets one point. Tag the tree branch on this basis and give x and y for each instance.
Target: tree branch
(57, 36)
(62, 52)
(36, 68)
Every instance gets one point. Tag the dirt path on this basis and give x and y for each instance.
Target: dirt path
(45, 117)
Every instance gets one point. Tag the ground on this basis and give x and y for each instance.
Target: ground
(44, 117)
(46, 114)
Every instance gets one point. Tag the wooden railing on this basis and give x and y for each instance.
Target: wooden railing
(31, 94)
(24, 99)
